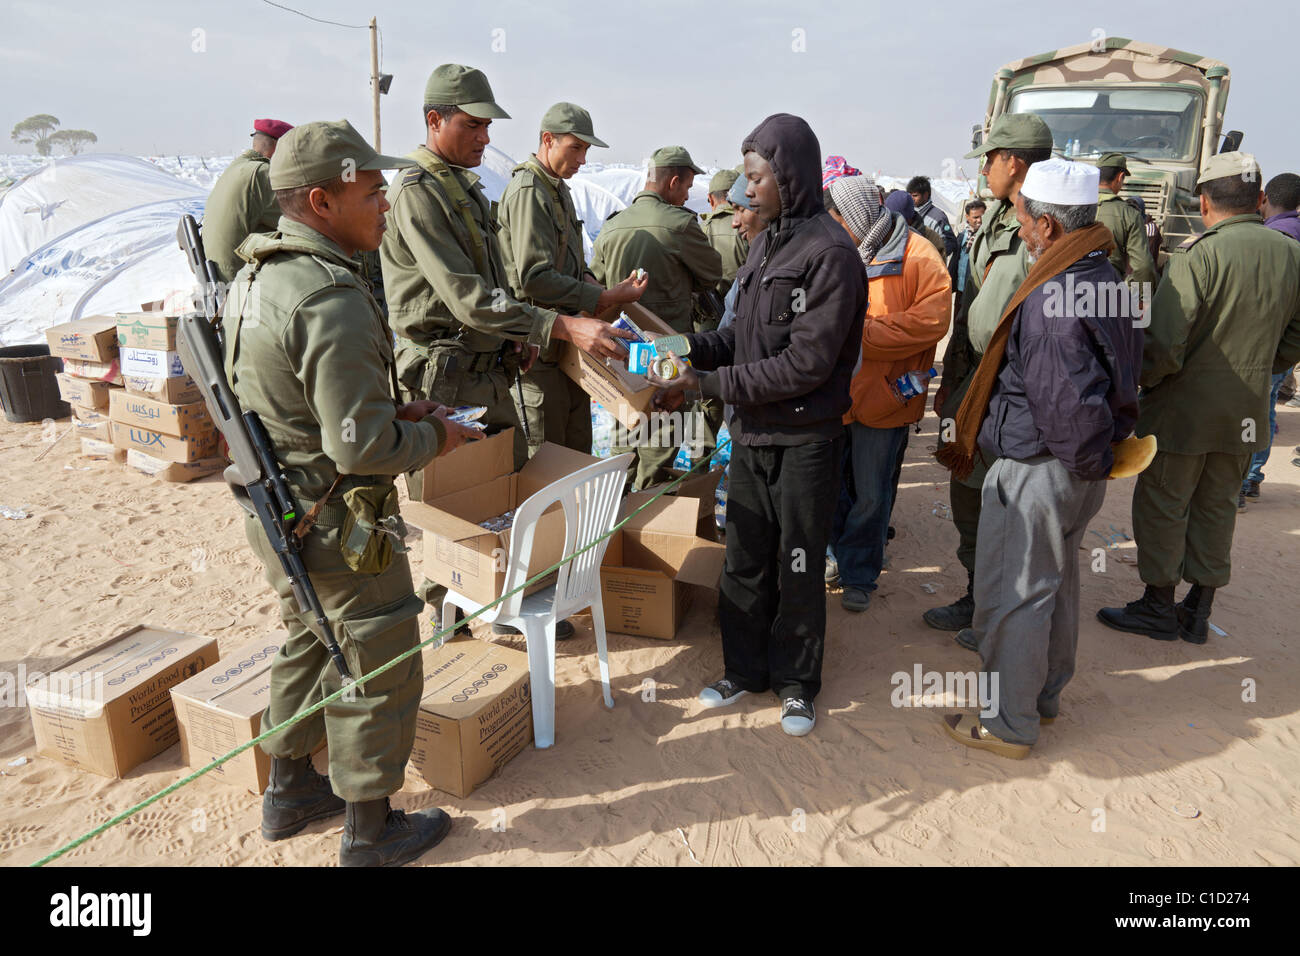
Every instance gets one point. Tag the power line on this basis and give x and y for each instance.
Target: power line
(335, 23)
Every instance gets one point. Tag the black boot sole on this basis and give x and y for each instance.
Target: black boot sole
(1144, 631)
(288, 830)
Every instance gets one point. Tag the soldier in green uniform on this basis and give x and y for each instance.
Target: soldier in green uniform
(731, 245)
(242, 201)
(998, 265)
(1132, 252)
(541, 245)
(1217, 335)
(308, 350)
(657, 233)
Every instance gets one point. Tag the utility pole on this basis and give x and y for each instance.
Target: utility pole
(374, 77)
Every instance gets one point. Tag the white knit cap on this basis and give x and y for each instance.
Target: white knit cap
(1062, 183)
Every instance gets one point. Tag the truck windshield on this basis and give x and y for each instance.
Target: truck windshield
(1147, 123)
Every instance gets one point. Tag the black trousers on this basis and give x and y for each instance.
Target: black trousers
(772, 602)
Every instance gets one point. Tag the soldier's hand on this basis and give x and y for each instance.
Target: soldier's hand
(415, 411)
(592, 336)
(457, 434)
(529, 359)
(629, 290)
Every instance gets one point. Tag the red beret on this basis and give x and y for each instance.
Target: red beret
(272, 128)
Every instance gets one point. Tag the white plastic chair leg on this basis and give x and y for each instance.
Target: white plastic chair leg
(541, 669)
(448, 614)
(602, 653)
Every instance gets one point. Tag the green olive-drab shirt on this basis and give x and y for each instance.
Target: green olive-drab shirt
(241, 203)
(731, 245)
(1225, 317)
(998, 266)
(308, 350)
(530, 235)
(667, 242)
(1132, 250)
(431, 281)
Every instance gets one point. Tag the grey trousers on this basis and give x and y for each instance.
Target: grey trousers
(1033, 515)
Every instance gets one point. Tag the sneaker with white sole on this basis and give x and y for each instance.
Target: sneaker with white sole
(721, 693)
(797, 716)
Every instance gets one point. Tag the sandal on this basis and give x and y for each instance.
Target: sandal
(967, 730)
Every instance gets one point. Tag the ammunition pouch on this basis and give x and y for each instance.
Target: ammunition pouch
(372, 529)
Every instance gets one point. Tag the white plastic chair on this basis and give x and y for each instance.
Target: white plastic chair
(590, 498)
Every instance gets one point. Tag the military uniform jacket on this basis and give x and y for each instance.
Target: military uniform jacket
(998, 265)
(1224, 318)
(667, 242)
(730, 244)
(308, 350)
(1132, 250)
(242, 202)
(436, 290)
(536, 214)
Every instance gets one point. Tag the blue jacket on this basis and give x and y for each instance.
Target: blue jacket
(1068, 386)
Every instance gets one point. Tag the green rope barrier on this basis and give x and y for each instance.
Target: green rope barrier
(319, 705)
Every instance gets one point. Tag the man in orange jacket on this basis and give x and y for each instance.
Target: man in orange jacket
(909, 308)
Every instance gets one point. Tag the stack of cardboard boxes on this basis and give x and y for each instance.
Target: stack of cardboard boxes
(91, 372)
(159, 418)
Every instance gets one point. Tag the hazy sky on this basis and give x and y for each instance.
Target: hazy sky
(893, 87)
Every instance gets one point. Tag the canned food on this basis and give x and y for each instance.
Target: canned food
(667, 368)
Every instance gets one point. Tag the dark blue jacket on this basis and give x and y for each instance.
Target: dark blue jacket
(1068, 386)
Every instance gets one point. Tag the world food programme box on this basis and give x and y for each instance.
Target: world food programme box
(179, 420)
(220, 708)
(471, 559)
(147, 330)
(92, 339)
(475, 714)
(624, 393)
(109, 710)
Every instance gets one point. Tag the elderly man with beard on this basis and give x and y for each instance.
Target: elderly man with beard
(1057, 386)
(785, 364)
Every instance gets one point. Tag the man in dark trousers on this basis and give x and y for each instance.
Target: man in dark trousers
(785, 365)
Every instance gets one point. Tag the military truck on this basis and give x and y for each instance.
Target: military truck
(1160, 107)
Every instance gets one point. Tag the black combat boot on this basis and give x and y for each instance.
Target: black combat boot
(1194, 615)
(374, 834)
(295, 796)
(958, 614)
(1152, 614)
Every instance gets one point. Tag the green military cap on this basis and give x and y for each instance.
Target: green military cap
(571, 118)
(317, 152)
(722, 180)
(1117, 160)
(674, 156)
(1223, 165)
(454, 85)
(1015, 131)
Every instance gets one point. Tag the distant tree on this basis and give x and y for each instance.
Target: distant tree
(36, 129)
(73, 140)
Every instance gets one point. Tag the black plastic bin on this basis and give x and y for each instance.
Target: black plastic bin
(28, 389)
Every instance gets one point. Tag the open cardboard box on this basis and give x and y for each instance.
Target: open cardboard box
(472, 560)
(624, 393)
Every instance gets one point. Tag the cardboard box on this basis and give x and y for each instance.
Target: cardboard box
(155, 363)
(181, 421)
(174, 390)
(475, 714)
(463, 468)
(625, 394)
(703, 488)
(651, 561)
(92, 339)
(167, 447)
(179, 471)
(110, 371)
(470, 559)
(100, 430)
(220, 708)
(109, 710)
(94, 448)
(83, 392)
(147, 330)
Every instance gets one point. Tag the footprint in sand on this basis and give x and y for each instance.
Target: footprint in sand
(11, 838)
(1163, 848)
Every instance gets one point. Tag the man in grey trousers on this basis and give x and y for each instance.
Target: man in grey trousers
(1065, 390)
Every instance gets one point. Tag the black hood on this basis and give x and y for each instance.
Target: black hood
(789, 144)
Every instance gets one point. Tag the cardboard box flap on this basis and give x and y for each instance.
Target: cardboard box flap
(645, 320)
(703, 564)
(458, 671)
(469, 506)
(668, 514)
(702, 486)
(469, 465)
(549, 464)
(234, 682)
(684, 558)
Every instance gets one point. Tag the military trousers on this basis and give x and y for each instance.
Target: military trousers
(1184, 514)
(375, 617)
(964, 494)
(655, 443)
(555, 409)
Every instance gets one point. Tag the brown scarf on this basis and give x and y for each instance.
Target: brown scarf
(959, 455)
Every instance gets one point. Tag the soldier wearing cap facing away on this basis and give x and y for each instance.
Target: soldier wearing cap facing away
(1131, 256)
(308, 350)
(717, 224)
(1225, 317)
(242, 201)
(541, 245)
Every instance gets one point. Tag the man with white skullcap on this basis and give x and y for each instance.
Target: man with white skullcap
(1057, 386)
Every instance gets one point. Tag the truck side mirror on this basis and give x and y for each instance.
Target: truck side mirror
(1232, 141)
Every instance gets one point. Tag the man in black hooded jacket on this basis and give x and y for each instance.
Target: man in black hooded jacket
(785, 365)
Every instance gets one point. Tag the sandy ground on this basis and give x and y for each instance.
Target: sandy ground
(1156, 759)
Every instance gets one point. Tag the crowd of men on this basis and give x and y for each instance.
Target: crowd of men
(813, 305)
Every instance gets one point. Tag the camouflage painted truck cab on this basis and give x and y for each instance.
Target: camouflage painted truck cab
(1160, 107)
